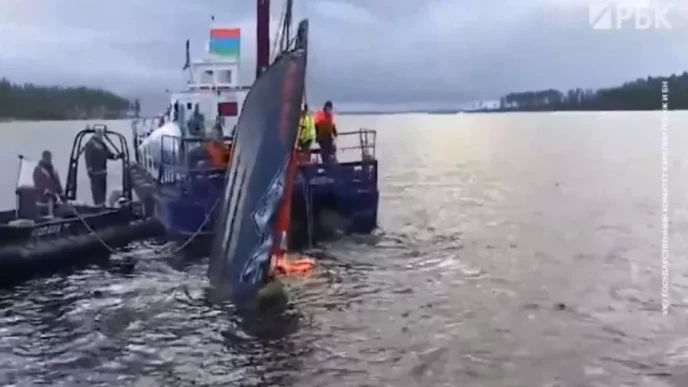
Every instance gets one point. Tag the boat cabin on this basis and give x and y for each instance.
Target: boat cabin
(213, 85)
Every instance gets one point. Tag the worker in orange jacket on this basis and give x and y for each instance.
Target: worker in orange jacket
(219, 153)
(326, 132)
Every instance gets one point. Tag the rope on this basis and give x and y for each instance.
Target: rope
(175, 251)
(193, 236)
(278, 34)
(90, 229)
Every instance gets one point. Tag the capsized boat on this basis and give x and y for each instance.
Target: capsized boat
(247, 232)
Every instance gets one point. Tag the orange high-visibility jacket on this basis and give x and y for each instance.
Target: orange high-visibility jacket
(324, 125)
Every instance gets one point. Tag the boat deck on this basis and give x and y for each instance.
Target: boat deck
(183, 199)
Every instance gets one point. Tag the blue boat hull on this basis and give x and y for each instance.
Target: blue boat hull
(184, 213)
(347, 189)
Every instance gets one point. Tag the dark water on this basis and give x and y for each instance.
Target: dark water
(518, 250)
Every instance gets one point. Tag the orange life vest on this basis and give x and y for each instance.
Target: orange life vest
(282, 265)
(219, 153)
(324, 124)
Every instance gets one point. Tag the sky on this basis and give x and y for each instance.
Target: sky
(364, 54)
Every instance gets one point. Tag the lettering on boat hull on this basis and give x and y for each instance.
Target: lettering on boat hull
(49, 230)
(321, 180)
(267, 207)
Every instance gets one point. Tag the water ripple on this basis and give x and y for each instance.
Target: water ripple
(525, 258)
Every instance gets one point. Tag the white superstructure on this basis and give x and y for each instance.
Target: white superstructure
(214, 85)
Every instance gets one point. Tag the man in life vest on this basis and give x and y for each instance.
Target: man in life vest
(218, 152)
(96, 155)
(306, 134)
(326, 132)
(46, 181)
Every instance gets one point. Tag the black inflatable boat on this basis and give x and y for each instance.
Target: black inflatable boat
(37, 240)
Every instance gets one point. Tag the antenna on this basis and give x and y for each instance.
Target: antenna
(187, 62)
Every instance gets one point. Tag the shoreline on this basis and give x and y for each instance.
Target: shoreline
(451, 112)
(6, 120)
(567, 111)
(9, 120)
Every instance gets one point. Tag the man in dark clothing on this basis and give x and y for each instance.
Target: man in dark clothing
(196, 153)
(46, 181)
(175, 116)
(218, 127)
(196, 124)
(97, 154)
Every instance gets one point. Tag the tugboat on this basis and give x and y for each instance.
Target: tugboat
(181, 194)
(43, 239)
(184, 195)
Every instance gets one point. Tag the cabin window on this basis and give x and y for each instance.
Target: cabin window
(224, 76)
(189, 106)
(207, 76)
(227, 109)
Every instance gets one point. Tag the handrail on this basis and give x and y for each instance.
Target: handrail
(175, 161)
(140, 129)
(145, 125)
(120, 148)
(361, 130)
(367, 139)
(172, 164)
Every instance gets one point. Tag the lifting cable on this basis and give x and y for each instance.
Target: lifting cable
(278, 34)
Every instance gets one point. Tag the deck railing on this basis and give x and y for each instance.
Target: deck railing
(352, 146)
(173, 160)
(183, 159)
(141, 128)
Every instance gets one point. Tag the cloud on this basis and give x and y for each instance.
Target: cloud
(363, 52)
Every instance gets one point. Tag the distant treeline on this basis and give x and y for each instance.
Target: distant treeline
(31, 102)
(642, 94)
